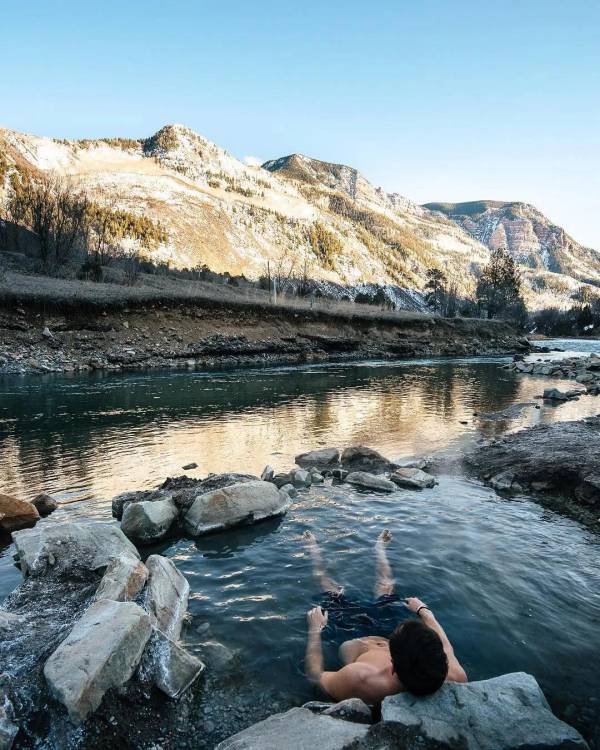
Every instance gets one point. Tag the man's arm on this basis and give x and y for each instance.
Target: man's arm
(455, 672)
(339, 685)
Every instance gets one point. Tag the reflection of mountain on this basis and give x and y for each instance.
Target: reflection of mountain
(99, 436)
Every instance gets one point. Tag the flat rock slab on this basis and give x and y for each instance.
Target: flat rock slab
(367, 481)
(123, 580)
(505, 713)
(237, 504)
(101, 652)
(166, 596)
(147, 522)
(415, 479)
(67, 546)
(297, 729)
(16, 514)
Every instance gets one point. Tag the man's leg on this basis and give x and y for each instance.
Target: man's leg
(325, 582)
(384, 578)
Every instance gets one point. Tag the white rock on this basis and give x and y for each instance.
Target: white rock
(148, 521)
(240, 503)
(166, 596)
(505, 713)
(370, 481)
(101, 652)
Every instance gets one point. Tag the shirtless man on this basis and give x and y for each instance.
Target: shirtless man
(417, 658)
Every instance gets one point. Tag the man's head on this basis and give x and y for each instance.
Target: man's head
(418, 657)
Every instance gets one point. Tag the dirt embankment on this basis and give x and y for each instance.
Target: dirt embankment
(202, 334)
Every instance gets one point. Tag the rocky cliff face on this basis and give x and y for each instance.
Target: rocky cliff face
(530, 237)
(298, 214)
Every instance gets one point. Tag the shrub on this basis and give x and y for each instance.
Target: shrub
(325, 245)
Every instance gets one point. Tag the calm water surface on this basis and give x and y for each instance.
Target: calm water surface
(517, 587)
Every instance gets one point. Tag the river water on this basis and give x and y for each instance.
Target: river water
(516, 586)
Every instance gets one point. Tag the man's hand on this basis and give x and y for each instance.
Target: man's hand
(413, 603)
(317, 619)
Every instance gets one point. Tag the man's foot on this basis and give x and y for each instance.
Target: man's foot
(384, 537)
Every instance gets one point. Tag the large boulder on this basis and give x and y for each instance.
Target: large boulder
(44, 504)
(101, 652)
(123, 579)
(414, 479)
(67, 546)
(300, 729)
(367, 481)
(505, 713)
(121, 502)
(147, 522)
(166, 596)
(16, 514)
(322, 458)
(241, 503)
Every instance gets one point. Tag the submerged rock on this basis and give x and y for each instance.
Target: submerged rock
(16, 514)
(8, 727)
(554, 394)
(367, 481)
(415, 479)
(146, 522)
(504, 713)
(101, 652)
(234, 505)
(169, 666)
(300, 729)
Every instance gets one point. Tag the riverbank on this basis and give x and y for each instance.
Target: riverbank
(76, 334)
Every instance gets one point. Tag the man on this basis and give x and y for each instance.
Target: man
(417, 658)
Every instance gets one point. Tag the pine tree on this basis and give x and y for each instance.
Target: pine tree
(499, 288)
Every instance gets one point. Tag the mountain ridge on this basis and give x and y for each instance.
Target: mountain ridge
(294, 212)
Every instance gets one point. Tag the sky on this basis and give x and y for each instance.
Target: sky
(438, 100)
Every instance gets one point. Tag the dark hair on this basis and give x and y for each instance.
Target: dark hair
(418, 657)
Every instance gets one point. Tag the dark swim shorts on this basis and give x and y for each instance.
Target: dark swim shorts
(355, 618)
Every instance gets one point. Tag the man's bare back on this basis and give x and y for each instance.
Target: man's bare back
(368, 672)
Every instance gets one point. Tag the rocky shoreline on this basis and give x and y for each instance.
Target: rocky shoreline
(207, 337)
(92, 635)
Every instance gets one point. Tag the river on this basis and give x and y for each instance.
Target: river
(516, 586)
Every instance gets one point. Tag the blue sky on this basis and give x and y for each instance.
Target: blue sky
(436, 100)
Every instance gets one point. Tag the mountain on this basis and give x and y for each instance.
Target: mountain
(298, 214)
(532, 239)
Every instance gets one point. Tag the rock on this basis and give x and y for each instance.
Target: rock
(8, 727)
(351, 709)
(361, 458)
(123, 580)
(367, 481)
(169, 666)
(505, 713)
(47, 333)
(69, 546)
(554, 394)
(503, 481)
(316, 477)
(44, 504)
(16, 514)
(100, 653)
(166, 596)
(8, 620)
(267, 474)
(320, 458)
(301, 478)
(297, 729)
(281, 479)
(413, 463)
(290, 490)
(237, 504)
(120, 502)
(413, 478)
(148, 521)
(218, 657)
(188, 467)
